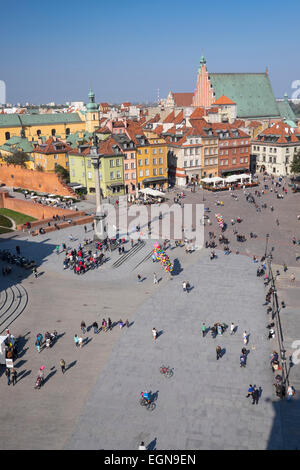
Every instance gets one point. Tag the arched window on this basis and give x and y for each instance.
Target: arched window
(38, 132)
(7, 135)
(53, 132)
(68, 131)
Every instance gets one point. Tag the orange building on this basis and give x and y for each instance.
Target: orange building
(51, 153)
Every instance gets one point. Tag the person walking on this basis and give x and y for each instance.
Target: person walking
(127, 323)
(255, 396)
(203, 330)
(14, 376)
(34, 270)
(37, 345)
(155, 280)
(139, 278)
(245, 338)
(83, 327)
(232, 328)
(80, 342)
(218, 352)
(292, 278)
(95, 326)
(184, 286)
(250, 391)
(85, 229)
(121, 324)
(290, 392)
(154, 333)
(109, 324)
(62, 365)
(7, 373)
(57, 249)
(142, 446)
(76, 340)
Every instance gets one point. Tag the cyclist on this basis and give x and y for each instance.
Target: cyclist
(146, 396)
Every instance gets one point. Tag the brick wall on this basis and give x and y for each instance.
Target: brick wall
(14, 175)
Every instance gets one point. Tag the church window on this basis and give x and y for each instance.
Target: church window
(53, 132)
(68, 131)
(7, 135)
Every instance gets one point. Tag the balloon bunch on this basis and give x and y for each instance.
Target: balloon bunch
(160, 255)
(220, 220)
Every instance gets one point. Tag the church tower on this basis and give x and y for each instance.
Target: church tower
(92, 121)
(204, 93)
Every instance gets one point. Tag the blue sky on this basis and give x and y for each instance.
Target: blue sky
(126, 50)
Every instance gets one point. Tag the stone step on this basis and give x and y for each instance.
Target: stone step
(14, 305)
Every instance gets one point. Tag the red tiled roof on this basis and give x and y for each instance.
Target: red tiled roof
(53, 146)
(170, 118)
(254, 124)
(118, 124)
(198, 113)
(126, 104)
(282, 130)
(158, 130)
(179, 118)
(224, 100)
(183, 99)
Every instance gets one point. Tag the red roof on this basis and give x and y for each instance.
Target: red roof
(170, 118)
(282, 130)
(198, 113)
(53, 145)
(224, 100)
(158, 130)
(183, 99)
(179, 118)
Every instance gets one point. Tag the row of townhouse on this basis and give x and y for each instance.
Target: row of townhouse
(131, 159)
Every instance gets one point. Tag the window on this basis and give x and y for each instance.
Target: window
(160, 150)
(139, 152)
(154, 151)
(7, 135)
(53, 131)
(146, 161)
(241, 160)
(192, 163)
(196, 162)
(154, 161)
(111, 163)
(89, 164)
(38, 132)
(216, 161)
(111, 175)
(72, 161)
(133, 176)
(222, 162)
(140, 172)
(234, 161)
(132, 166)
(226, 162)
(132, 155)
(160, 171)
(117, 162)
(126, 176)
(140, 162)
(206, 151)
(246, 160)
(146, 151)
(221, 152)
(73, 172)
(68, 131)
(56, 157)
(185, 152)
(126, 166)
(89, 175)
(210, 161)
(154, 171)
(147, 172)
(118, 174)
(185, 164)
(160, 161)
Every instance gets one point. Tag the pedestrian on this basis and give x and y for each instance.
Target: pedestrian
(203, 330)
(184, 286)
(57, 249)
(245, 337)
(76, 339)
(62, 365)
(250, 391)
(232, 328)
(155, 280)
(85, 228)
(80, 341)
(95, 326)
(290, 392)
(14, 376)
(139, 278)
(109, 324)
(37, 345)
(121, 324)
(292, 278)
(219, 352)
(71, 237)
(242, 360)
(83, 327)
(104, 325)
(255, 396)
(285, 268)
(142, 446)
(34, 270)
(7, 373)
(154, 333)
(127, 323)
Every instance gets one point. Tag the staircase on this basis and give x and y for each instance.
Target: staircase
(13, 302)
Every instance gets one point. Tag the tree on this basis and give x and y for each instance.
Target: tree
(17, 158)
(60, 170)
(295, 166)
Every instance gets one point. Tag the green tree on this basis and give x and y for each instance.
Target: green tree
(17, 158)
(60, 170)
(295, 166)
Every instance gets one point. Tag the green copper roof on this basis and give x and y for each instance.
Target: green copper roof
(252, 92)
(285, 110)
(17, 120)
(17, 143)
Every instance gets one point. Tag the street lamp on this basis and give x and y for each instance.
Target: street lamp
(267, 238)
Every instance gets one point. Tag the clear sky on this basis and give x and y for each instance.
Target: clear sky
(126, 50)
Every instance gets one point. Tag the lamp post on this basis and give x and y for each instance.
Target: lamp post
(267, 238)
(99, 219)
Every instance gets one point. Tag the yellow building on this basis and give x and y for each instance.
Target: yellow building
(152, 165)
(50, 154)
(59, 125)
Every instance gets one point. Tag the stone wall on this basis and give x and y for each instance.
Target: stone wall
(15, 176)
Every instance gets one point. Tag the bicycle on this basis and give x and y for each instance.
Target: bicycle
(147, 403)
(166, 371)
